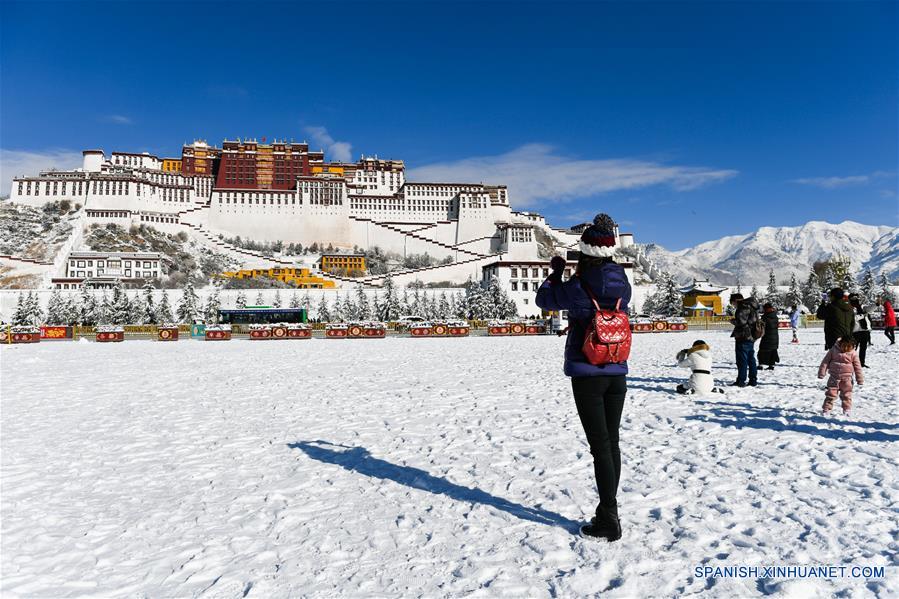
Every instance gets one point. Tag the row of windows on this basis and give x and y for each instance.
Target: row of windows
(137, 274)
(113, 263)
(535, 272)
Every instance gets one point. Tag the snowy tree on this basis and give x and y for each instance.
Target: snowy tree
(754, 292)
(794, 293)
(276, 303)
(72, 310)
(294, 301)
(135, 309)
(415, 307)
(350, 309)
(405, 307)
(20, 314)
(259, 301)
(120, 307)
(104, 310)
(476, 302)
(213, 305)
(89, 311)
(337, 309)
(56, 308)
(840, 269)
(306, 302)
(322, 312)
(497, 301)
(868, 288)
(739, 286)
(363, 310)
(391, 305)
(666, 300)
(189, 306)
(240, 302)
(148, 305)
(164, 310)
(885, 292)
(443, 306)
(772, 295)
(811, 291)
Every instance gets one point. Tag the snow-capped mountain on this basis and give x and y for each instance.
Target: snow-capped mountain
(786, 250)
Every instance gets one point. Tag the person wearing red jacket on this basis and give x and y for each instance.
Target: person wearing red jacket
(889, 320)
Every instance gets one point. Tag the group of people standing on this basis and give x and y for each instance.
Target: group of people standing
(599, 283)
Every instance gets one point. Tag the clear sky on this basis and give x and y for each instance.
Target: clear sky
(686, 121)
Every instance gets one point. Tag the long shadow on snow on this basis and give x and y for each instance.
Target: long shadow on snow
(358, 459)
(775, 412)
(770, 418)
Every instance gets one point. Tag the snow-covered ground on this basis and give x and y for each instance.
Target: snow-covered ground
(436, 467)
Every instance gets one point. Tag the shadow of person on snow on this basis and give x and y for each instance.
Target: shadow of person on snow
(358, 459)
(747, 416)
(777, 412)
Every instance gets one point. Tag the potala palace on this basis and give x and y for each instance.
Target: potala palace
(284, 191)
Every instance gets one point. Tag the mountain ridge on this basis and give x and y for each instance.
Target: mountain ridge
(749, 257)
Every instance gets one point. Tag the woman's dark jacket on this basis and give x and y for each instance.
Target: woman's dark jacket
(771, 339)
(608, 283)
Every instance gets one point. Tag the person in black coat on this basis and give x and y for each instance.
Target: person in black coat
(770, 340)
(861, 327)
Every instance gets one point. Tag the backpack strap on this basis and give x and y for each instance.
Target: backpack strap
(593, 297)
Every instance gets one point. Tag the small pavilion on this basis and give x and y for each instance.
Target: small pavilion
(705, 294)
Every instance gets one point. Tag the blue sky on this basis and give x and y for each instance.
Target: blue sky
(686, 121)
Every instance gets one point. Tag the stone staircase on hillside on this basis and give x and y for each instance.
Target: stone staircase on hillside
(440, 244)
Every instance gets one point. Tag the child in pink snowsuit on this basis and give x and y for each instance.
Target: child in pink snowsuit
(842, 363)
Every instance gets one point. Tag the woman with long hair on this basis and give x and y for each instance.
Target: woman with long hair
(599, 390)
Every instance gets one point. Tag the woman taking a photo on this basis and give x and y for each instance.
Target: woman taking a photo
(599, 390)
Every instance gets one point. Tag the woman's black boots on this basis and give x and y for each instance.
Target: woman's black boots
(605, 525)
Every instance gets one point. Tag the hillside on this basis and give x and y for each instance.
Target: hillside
(787, 250)
(183, 258)
(35, 233)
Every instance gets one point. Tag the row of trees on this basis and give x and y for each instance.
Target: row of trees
(667, 300)
(390, 303)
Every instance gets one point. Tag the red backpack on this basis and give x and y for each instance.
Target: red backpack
(608, 338)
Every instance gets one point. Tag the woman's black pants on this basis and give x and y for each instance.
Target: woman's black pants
(863, 338)
(600, 401)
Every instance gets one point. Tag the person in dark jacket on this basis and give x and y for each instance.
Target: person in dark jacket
(746, 314)
(771, 338)
(599, 390)
(861, 327)
(837, 316)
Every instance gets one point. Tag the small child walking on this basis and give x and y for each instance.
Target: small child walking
(842, 362)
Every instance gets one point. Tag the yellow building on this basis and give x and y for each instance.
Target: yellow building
(171, 165)
(299, 277)
(329, 169)
(343, 262)
(702, 295)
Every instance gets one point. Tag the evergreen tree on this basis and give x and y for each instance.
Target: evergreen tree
(672, 301)
(294, 300)
(772, 295)
(56, 308)
(497, 301)
(415, 307)
(391, 307)
(443, 307)
(840, 270)
(405, 306)
(120, 307)
(20, 314)
(337, 312)
(739, 286)
(754, 292)
(794, 293)
(826, 278)
(34, 308)
(89, 311)
(104, 310)
(240, 302)
(363, 310)
(72, 310)
(350, 309)
(811, 291)
(885, 292)
(322, 313)
(148, 305)
(164, 310)
(136, 309)
(276, 303)
(213, 305)
(260, 301)
(307, 302)
(189, 306)
(476, 304)
(868, 288)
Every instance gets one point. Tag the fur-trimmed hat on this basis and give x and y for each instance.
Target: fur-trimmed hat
(598, 240)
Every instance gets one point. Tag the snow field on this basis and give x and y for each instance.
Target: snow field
(437, 467)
